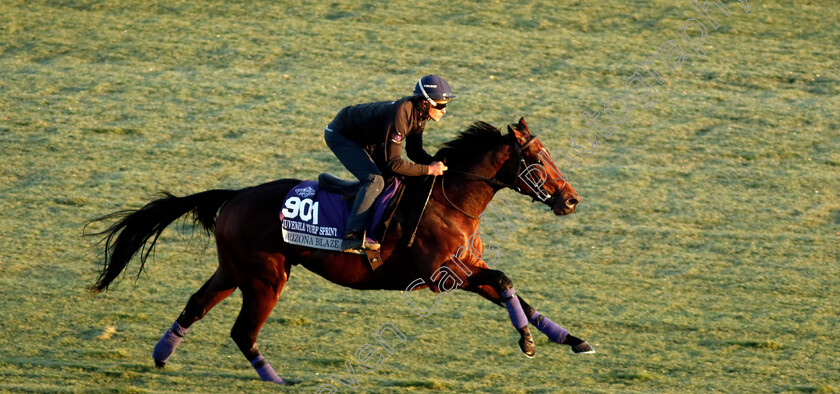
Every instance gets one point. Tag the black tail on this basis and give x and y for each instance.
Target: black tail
(132, 232)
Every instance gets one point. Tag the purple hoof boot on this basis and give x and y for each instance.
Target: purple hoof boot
(167, 344)
(551, 329)
(266, 372)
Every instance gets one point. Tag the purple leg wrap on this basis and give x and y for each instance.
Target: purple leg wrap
(167, 344)
(517, 315)
(551, 329)
(265, 371)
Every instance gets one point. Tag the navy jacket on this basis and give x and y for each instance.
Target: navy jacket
(381, 129)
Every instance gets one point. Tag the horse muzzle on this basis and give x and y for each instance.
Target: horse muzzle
(563, 206)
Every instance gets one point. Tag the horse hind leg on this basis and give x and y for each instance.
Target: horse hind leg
(216, 289)
(258, 298)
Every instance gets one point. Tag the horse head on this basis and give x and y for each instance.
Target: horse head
(536, 174)
(518, 161)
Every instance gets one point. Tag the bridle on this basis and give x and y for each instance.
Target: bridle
(517, 148)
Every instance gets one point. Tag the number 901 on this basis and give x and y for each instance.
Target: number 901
(306, 208)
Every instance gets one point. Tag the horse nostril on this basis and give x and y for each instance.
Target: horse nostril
(571, 202)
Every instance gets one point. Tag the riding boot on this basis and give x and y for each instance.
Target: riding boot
(354, 231)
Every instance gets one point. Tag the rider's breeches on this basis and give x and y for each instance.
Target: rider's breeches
(359, 163)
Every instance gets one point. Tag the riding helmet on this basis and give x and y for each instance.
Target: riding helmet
(434, 89)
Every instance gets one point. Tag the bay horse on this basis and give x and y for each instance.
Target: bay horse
(254, 258)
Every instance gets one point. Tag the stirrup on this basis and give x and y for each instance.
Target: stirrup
(358, 241)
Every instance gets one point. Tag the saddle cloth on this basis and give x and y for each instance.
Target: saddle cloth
(315, 217)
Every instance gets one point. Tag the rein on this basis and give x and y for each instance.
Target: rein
(443, 191)
(489, 181)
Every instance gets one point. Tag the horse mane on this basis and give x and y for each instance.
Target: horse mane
(471, 144)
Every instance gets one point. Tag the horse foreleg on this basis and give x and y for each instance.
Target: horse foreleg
(552, 330)
(258, 299)
(501, 287)
(216, 289)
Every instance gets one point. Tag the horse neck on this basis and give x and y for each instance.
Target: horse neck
(473, 195)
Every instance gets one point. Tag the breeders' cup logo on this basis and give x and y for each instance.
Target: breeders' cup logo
(305, 192)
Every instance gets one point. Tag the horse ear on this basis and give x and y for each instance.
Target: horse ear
(523, 126)
(512, 133)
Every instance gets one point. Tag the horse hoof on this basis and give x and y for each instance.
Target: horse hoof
(583, 348)
(528, 347)
(281, 381)
(160, 364)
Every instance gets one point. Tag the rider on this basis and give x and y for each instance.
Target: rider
(368, 138)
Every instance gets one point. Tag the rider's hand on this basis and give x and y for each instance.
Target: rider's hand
(437, 168)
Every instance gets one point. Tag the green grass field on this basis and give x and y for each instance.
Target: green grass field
(704, 255)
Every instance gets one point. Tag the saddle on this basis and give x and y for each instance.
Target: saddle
(315, 212)
(333, 184)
